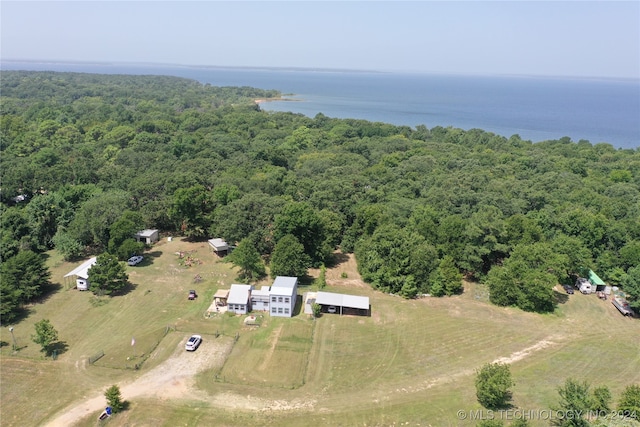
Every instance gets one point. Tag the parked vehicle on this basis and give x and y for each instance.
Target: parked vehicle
(331, 309)
(135, 260)
(622, 305)
(584, 285)
(193, 343)
(192, 294)
(568, 289)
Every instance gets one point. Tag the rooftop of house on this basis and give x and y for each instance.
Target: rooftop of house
(239, 294)
(283, 285)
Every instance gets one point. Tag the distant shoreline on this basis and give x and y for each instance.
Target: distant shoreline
(261, 100)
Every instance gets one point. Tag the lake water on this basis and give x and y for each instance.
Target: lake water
(537, 109)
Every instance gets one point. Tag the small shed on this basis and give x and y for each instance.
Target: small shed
(309, 299)
(219, 246)
(596, 282)
(147, 236)
(81, 274)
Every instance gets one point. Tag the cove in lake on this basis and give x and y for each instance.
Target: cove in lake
(537, 109)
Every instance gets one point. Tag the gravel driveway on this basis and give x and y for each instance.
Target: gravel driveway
(171, 379)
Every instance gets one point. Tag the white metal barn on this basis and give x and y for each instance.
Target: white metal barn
(81, 274)
(343, 303)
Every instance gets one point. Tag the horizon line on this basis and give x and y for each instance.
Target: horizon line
(310, 69)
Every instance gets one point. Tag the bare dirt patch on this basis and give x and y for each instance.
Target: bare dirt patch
(343, 273)
(519, 355)
(171, 379)
(454, 376)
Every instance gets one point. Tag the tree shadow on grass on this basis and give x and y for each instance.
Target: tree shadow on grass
(129, 287)
(48, 290)
(336, 259)
(149, 257)
(560, 297)
(305, 281)
(57, 348)
(24, 310)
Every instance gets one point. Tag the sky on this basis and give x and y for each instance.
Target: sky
(545, 38)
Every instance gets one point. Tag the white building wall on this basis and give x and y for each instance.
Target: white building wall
(282, 305)
(238, 308)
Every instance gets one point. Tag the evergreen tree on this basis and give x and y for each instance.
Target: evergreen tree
(447, 279)
(107, 275)
(114, 399)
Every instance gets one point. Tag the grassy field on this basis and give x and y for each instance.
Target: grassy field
(410, 362)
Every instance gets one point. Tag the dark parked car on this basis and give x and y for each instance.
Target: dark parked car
(568, 289)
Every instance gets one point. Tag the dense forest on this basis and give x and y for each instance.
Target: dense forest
(87, 160)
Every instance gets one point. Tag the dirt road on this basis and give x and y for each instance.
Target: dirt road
(171, 379)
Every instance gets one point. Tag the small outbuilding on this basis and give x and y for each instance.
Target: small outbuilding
(309, 299)
(343, 303)
(81, 274)
(219, 246)
(596, 282)
(148, 236)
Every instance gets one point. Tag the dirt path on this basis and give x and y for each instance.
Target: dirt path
(171, 379)
(451, 377)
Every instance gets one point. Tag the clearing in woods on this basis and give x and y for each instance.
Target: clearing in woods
(411, 361)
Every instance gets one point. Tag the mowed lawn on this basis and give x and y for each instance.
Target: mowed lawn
(409, 362)
(274, 355)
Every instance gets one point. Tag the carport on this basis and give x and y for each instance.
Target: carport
(344, 304)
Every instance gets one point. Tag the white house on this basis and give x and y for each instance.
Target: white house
(81, 273)
(147, 236)
(283, 294)
(239, 299)
(260, 299)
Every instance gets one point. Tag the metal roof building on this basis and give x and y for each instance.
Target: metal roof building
(81, 273)
(345, 304)
(238, 300)
(219, 246)
(284, 285)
